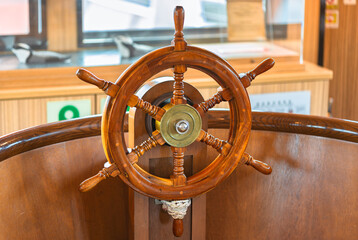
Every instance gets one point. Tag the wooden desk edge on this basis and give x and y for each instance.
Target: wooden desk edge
(311, 73)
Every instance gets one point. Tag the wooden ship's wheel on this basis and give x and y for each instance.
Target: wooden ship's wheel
(177, 124)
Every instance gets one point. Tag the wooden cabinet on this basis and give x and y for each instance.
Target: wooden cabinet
(16, 114)
(24, 93)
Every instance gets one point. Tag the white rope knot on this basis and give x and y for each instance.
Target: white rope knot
(176, 209)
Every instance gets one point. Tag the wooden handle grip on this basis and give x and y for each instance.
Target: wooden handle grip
(178, 228)
(179, 19)
(264, 66)
(247, 78)
(178, 41)
(90, 78)
(91, 182)
(110, 171)
(261, 166)
(258, 165)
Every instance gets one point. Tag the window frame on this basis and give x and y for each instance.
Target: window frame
(34, 22)
(158, 37)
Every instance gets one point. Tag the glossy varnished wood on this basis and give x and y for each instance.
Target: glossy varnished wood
(148, 220)
(247, 78)
(40, 199)
(47, 134)
(314, 180)
(179, 57)
(311, 193)
(293, 123)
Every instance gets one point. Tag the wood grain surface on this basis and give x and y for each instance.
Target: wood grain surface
(311, 193)
(311, 31)
(47, 134)
(23, 113)
(62, 25)
(341, 55)
(40, 197)
(148, 220)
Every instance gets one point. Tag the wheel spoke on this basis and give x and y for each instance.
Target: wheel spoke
(221, 146)
(178, 92)
(258, 165)
(178, 177)
(108, 171)
(153, 141)
(221, 95)
(154, 111)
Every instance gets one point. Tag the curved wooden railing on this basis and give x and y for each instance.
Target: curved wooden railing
(51, 133)
(293, 123)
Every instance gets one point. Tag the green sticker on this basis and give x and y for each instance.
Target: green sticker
(68, 109)
(68, 112)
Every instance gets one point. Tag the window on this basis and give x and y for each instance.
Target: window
(22, 21)
(148, 21)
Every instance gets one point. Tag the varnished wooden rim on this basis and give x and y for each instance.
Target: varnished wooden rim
(43, 135)
(132, 79)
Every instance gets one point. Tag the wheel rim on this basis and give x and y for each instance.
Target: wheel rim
(132, 79)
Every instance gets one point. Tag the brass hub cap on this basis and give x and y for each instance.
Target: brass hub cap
(180, 125)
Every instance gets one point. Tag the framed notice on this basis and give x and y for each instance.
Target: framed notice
(246, 20)
(286, 102)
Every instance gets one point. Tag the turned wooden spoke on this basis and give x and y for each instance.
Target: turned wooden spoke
(247, 78)
(154, 111)
(179, 45)
(178, 92)
(258, 165)
(221, 95)
(221, 146)
(107, 171)
(178, 41)
(88, 77)
(177, 57)
(153, 141)
(178, 176)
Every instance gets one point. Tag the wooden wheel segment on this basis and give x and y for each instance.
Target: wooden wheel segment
(177, 57)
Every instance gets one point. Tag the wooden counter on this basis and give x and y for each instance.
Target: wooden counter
(24, 93)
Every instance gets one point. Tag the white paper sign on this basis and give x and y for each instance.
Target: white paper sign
(285, 102)
(63, 110)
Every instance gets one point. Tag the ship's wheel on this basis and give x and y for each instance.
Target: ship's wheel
(178, 124)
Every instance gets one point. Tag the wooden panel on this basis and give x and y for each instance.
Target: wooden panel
(57, 132)
(40, 198)
(319, 171)
(311, 31)
(160, 222)
(61, 25)
(311, 193)
(46, 78)
(23, 113)
(50, 81)
(148, 221)
(99, 99)
(341, 55)
(318, 89)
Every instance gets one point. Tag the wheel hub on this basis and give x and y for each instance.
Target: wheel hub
(180, 125)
